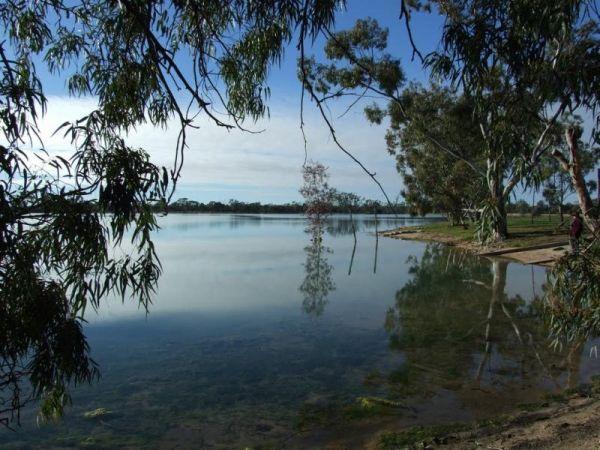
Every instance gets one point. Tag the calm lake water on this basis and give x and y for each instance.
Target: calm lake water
(260, 337)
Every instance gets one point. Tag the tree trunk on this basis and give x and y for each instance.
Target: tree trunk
(501, 225)
(450, 218)
(532, 205)
(574, 168)
(574, 364)
(456, 218)
(561, 212)
(499, 222)
(499, 230)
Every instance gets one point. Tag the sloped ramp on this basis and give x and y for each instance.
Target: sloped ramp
(543, 254)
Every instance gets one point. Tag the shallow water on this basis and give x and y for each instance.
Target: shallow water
(260, 336)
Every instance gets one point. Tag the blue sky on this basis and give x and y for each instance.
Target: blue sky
(267, 167)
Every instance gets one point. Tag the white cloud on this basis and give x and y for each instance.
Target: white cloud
(267, 163)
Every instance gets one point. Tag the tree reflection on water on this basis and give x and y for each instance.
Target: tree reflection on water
(458, 330)
(318, 282)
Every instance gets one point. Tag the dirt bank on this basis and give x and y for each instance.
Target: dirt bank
(542, 250)
(572, 424)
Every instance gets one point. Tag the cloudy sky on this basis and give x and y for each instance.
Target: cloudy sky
(266, 167)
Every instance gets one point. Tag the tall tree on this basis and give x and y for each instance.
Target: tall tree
(576, 162)
(558, 182)
(435, 180)
(144, 62)
(429, 121)
(521, 65)
(524, 63)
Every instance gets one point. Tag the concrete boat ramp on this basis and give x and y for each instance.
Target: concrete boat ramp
(542, 254)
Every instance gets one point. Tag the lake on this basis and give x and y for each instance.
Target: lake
(263, 336)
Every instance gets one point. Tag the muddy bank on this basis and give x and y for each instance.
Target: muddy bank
(566, 423)
(572, 424)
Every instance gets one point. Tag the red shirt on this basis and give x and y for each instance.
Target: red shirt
(576, 227)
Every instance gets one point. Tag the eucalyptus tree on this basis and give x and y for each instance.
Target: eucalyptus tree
(573, 298)
(431, 132)
(558, 181)
(524, 64)
(577, 160)
(520, 64)
(158, 62)
(434, 180)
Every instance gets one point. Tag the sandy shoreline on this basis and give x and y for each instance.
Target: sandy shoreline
(541, 254)
(573, 425)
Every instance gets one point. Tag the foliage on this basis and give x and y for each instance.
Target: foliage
(520, 207)
(435, 180)
(573, 297)
(524, 64)
(558, 182)
(318, 196)
(349, 202)
(419, 119)
(145, 62)
(361, 62)
(507, 101)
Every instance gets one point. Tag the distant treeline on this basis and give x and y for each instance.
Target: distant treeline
(541, 207)
(185, 205)
(234, 206)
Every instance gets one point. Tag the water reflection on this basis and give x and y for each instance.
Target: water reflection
(228, 359)
(345, 225)
(318, 281)
(458, 330)
(335, 225)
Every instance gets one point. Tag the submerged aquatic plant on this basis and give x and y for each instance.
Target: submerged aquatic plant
(97, 413)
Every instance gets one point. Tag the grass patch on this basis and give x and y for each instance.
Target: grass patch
(523, 231)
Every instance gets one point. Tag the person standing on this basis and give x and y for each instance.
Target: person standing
(575, 231)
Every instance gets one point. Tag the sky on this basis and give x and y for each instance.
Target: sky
(267, 167)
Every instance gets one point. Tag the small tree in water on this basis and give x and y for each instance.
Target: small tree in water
(317, 193)
(318, 196)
